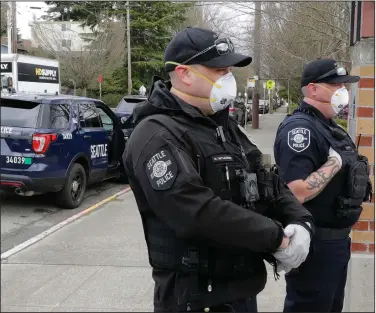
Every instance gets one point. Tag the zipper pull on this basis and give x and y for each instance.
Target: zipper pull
(210, 284)
(244, 156)
(242, 151)
(221, 134)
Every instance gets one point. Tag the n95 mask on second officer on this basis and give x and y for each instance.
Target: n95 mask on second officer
(340, 98)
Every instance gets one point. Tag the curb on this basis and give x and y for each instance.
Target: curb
(53, 229)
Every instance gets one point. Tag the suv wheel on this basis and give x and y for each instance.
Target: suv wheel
(71, 196)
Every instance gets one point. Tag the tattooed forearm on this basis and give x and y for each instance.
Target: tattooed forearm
(317, 181)
(321, 177)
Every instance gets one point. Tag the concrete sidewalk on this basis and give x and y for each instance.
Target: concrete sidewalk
(264, 136)
(100, 263)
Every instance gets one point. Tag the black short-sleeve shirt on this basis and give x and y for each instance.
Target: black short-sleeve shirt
(299, 148)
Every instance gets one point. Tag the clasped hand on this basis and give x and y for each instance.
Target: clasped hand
(297, 250)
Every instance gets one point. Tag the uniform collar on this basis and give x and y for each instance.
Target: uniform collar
(316, 112)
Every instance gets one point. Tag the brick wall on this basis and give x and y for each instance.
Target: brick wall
(368, 19)
(363, 231)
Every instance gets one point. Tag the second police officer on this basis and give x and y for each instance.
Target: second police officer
(323, 168)
(211, 212)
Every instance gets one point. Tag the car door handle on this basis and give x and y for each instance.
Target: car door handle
(87, 137)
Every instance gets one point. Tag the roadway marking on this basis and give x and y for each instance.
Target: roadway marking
(53, 229)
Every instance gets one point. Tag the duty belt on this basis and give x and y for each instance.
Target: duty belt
(332, 233)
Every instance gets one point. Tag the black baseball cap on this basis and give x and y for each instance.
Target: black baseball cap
(193, 40)
(326, 71)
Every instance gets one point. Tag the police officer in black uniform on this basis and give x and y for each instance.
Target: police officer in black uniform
(211, 207)
(323, 168)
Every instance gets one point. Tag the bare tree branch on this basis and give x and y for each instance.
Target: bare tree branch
(83, 60)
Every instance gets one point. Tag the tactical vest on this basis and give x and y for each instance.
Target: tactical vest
(222, 168)
(339, 204)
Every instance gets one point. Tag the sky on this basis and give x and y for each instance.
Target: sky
(25, 15)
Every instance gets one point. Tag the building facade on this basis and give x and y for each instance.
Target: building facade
(362, 110)
(60, 36)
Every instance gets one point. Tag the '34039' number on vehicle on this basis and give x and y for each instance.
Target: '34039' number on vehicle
(17, 160)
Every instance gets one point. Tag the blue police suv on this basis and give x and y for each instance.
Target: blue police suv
(58, 144)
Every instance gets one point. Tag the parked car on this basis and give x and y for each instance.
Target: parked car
(126, 105)
(263, 106)
(58, 144)
(234, 111)
(275, 104)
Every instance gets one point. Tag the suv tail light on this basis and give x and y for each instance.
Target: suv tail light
(41, 142)
(231, 109)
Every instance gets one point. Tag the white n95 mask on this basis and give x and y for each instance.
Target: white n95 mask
(223, 92)
(340, 98)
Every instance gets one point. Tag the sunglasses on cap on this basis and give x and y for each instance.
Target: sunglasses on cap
(340, 71)
(223, 46)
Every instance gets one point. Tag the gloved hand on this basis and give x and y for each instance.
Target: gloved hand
(281, 267)
(298, 249)
(334, 154)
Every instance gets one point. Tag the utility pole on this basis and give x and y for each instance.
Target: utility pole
(13, 27)
(9, 28)
(257, 64)
(129, 50)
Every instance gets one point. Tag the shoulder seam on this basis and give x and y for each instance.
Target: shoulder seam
(161, 130)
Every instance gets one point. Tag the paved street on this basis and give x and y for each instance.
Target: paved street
(25, 217)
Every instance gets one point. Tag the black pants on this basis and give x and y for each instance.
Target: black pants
(318, 285)
(246, 305)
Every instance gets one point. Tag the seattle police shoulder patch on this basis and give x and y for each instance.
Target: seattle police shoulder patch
(299, 139)
(161, 169)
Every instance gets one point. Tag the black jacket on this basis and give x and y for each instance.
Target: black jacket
(167, 168)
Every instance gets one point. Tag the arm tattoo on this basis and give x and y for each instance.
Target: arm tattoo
(319, 179)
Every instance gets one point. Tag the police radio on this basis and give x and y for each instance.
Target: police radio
(268, 179)
(249, 187)
(261, 185)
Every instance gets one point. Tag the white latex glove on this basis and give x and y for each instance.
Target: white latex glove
(298, 248)
(334, 154)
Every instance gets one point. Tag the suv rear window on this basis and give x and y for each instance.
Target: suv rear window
(55, 115)
(16, 113)
(127, 104)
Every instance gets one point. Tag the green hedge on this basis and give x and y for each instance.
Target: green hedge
(292, 107)
(112, 99)
(342, 123)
